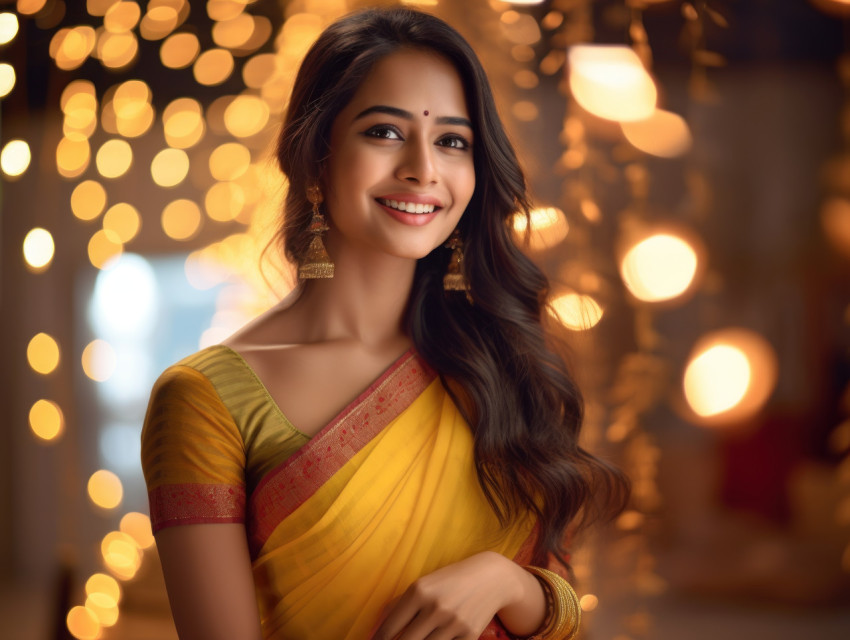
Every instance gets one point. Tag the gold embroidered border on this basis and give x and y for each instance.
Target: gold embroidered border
(288, 486)
(195, 503)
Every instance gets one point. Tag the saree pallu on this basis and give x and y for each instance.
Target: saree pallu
(339, 525)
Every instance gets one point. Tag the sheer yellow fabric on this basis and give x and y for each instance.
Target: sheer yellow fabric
(385, 494)
(407, 504)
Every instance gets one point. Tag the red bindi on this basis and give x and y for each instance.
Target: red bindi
(426, 112)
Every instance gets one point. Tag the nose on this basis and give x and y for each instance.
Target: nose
(418, 164)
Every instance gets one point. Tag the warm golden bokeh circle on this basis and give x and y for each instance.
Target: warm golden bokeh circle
(72, 157)
(224, 201)
(114, 158)
(660, 267)
(183, 123)
(179, 50)
(729, 376)
(88, 200)
(7, 79)
(123, 220)
(43, 353)
(38, 249)
(15, 157)
(8, 27)
(138, 526)
(181, 219)
(46, 421)
(213, 67)
(105, 489)
(229, 161)
(170, 167)
(103, 246)
(82, 624)
(104, 585)
(121, 554)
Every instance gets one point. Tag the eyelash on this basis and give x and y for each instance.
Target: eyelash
(458, 141)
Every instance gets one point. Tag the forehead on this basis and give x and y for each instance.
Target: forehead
(414, 80)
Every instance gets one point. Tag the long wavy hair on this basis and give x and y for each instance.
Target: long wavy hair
(494, 356)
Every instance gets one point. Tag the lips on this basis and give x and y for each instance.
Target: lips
(406, 206)
(410, 209)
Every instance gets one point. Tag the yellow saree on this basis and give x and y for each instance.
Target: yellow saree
(339, 524)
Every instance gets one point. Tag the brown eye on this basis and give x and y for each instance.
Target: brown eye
(383, 131)
(454, 141)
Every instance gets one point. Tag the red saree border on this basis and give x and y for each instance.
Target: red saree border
(295, 480)
(195, 503)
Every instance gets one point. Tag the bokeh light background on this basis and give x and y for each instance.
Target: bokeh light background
(690, 164)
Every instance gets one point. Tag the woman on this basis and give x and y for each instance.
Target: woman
(407, 510)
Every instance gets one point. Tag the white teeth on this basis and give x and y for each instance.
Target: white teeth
(408, 207)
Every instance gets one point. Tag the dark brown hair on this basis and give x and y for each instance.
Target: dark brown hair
(494, 356)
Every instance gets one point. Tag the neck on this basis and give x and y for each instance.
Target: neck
(363, 302)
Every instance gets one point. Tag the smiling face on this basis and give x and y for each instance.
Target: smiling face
(400, 171)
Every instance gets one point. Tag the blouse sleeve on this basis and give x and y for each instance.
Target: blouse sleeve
(193, 456)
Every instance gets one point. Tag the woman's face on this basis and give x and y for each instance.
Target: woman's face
(400, 171)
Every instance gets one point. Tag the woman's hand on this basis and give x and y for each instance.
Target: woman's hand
(459, 601)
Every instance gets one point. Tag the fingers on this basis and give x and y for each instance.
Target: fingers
(424, 615)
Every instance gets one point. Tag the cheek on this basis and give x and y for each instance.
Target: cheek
(466, 183)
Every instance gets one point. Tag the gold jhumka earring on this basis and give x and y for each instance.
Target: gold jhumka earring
(317, 263)
(455, 280)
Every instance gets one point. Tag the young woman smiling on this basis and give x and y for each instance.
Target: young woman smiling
(390, 452)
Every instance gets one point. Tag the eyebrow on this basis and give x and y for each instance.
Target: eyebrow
(401, 113)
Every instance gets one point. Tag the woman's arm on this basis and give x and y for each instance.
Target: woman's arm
(207, 571)
(458, 601)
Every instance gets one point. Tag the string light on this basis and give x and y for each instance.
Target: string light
(610, 81)
(170, 167)
(662, 134)
(88, 200)
(213, 67)
(121, 17)
(7, 79)
(660, 267)
(224, 201)
(30, 7)
(229, 161)
(114, 158)
(83, 624)
(15, 158)
(8, 27)
(180, 50)
(138, 526)
(105, 489)
(121, 554)
(45, 419)
(729, 376)
(122, 220)
(72, 157)
(246, 116)
(181, 219)
(43, 353)
(183, 123)
(38, 249)
(103, 247)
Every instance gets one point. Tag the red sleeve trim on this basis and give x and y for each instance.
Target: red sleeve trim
(195, 503)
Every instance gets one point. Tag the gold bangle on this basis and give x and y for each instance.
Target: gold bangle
(563, 611)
